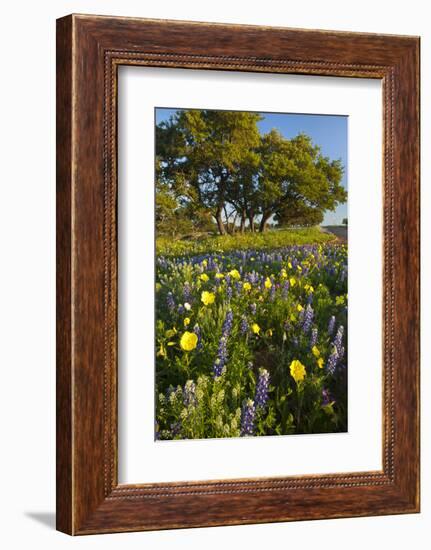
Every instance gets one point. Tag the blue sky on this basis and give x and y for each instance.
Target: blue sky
(327, 131)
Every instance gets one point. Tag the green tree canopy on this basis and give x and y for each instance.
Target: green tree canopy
(216, 163)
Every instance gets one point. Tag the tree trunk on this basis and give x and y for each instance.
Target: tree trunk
(251, 221)
(220, 223)
(263, 222)
(242, 224)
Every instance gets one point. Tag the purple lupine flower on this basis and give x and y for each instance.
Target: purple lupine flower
(221, 357)
(253, 308)
(229, 292)
(170, 301)
(326, 397)
(313, 338)
(248, 415)
(181, 309)
(310, 299)
(197, 331)
(331, 325)
(189, 393)
(332, 361)
(285, 290)
(301, 315)
(338, 341)
(262, 388)
(308, 318)
(187, 292)
(227, 324)
(272, 293)
(244, 325)
(176, 428)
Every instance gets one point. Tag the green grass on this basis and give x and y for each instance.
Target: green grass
(223, 243)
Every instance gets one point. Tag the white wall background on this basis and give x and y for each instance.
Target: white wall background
(27, 246)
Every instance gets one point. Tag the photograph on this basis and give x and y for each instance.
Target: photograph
(251, 274)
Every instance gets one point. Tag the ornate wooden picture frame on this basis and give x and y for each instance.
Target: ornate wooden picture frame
(89, 51)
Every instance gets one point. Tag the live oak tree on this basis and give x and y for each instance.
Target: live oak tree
(216, 163)
(295, 180)
(207, 154)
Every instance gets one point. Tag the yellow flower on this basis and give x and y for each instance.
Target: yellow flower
(308, 288)
(247, 286)
(269, 332)
(219, 275)
(255, 328)
(289, 265)
(283, 273)
(189, 341)
(187, 321)
(299, 268)
(268, 283)
(320, 362)
(204, 277)
(235, 274)
(158, 287)
(207, 298)
(315, 351)
(297, 370)
(292, 317)
(292, 281)
(299, 307)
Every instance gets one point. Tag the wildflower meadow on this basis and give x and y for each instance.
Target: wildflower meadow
(251, 292)
(252, 342)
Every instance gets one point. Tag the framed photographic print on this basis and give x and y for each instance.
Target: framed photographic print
(237, 274)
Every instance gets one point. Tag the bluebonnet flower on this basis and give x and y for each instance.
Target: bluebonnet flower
(229, 292)
(338, 341)
(331, 325)
(176, 428)
(253, 308)
(310, 299)
(227, 324)
(313, 338)
(248, 415)
(272, 293)
(262, 388)
(308, 318)
(244, 325)
(285, 290)
(211, 263)
(301, 315)
(170, 301)
(221, 357)
(197, 331)
(189, 393)
(187, 292)
(181, 309)
(326, 397)
(332, 361)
